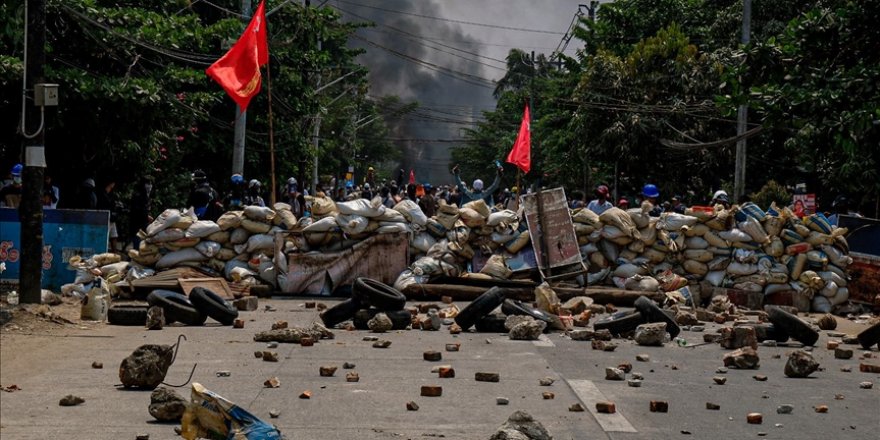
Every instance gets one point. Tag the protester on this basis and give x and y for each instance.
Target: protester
(50, 193)
(370, 178)
(86, 197)
(677, 206)
(721, 198)
(623, 203)
(140, 209)
(387, 198)
(428, 202)
(10, 195)
(202, 195)
(253, 197)
(107, 201)
(477, 191)
(234, 199)
(651, 194)
(366, 193)
(601, 203)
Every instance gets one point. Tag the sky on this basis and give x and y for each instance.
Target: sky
(445, 55)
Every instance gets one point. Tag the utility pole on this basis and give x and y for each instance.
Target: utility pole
(316, 135)
(240, 116)
(742, 116)
(31, 206)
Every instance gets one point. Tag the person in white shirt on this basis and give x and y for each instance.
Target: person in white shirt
(601, 203)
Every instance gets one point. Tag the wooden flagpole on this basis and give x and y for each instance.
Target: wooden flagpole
(271, 137)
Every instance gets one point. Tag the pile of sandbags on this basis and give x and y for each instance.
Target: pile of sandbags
(742, 247)
(117, 273)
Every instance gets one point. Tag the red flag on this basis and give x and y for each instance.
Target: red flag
(238, 72)
(412, 177)
(521, 154)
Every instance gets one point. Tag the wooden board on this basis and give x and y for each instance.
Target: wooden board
(551, 229)
(216, 285)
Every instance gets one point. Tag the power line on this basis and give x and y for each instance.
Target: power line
(450, 20)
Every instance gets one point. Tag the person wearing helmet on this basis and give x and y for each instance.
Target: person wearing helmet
(234, 199)
(477, 192)
(623, 203)
(10, 195)
(677, 205)
(367, 192)
(370, 178)
(428, 202)
(202, 195)
(721, 198)
(840, 206)
(254, 197)
(600, 204)
(651, 194)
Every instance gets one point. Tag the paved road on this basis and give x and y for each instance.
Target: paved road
(47, 368)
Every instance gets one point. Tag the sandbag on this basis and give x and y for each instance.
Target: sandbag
(697, 230)
(259, 213)
(715, 240)
(735, 235)
(479, 206)
(224, 254)
(829, 290)
(175, 258)
(221, 237)
(654, 255)
(181, 243)
(695, 267)
(648, 235)
(610, 232)
(715, 278)
(799, 248)
(775, 247)
(642, 284)
(811, 279)
(718, 263)
(230, 220)
(361, 207)
(352, 223)
(628, 270)
(166, 235)
(841, 297)
(751, 210)
(471, 218)
(284, 217)
(620, 219)
(598, 260)
(586, 217)
(736, 268)
(670, 281)
(836, 256)
(208, 248)
(720, 221)
(819, 223)
(201, 229)
(672, 221)
(255, 227)
(696, 243)
(390, 216)
(506, 216)
(392, 228)
(412, 212)
(321, 205)
(754, 229)
(700, 255)
(496, 267)
(164, 221)
(517, 244)
(639, 217)
(324, 225)
(817, 259)
(239, 235)
(773, 225)
(423, 241)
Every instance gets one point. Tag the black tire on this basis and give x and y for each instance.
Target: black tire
(480, 307)
(516, 307)
(212, 305)
(793, 326)
(177, 307)
(767, 332)
(653, 313)
(378, 295)
(400, 319)
(127, 314)
(493, 323)
(340, 312)
(870, 336)
(620, 323)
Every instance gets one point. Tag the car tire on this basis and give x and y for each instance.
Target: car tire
(479, 307)
(212, 305)
(177, 307)
(870, 336)
(127, 314)
(653, 313)
(515, 307)
(620, 323)
(493, 323)
(793, 326)
(378, 295)
(340, 312)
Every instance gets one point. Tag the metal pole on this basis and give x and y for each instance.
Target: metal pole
(272, 197)
(240, 117)
(31, 206)
(742, 116)
(315, 137)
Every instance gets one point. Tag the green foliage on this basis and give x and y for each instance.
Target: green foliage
(771, 192)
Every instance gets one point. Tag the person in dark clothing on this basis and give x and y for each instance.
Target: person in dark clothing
(10, 195)
(107, 201)
(387, 197)
(367, 193)
(86, 197)
(234, 200)
(140, 209)
(254, 196)
(677, 205)
(428, 202)
(202, 195)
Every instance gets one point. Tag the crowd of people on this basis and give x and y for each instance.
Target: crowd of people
(209, 203)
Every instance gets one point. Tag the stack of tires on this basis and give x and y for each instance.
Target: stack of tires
(479, 313)
(368, 298)
(193, 310)
(646, 311)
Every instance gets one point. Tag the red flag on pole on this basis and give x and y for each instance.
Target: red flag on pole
(412, 177)
(238, 72)
(521, 155)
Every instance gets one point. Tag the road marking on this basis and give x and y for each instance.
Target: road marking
(588, 393)
(543, 341)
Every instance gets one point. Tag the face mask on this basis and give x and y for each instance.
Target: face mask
(148, 187)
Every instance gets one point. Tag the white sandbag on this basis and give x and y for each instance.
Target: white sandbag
(773, 225)
(239, 236)
(391, 216)
(736, 268)
(642, 284)
(267, 272)
(145, 260)
(423, 241)
(673, 221)
(187, 218)
(829, 290)
(505, 216)
(697, 230)
(637, 247)
(180, 243)
(609, 250)
(639, 217)
(841, 297)
(754, 230)
(776, 288)
(166, 235)
(164, 221)
(230, 220)
(324, 225)
(715, 240)
(361, 207)
(209, 248)
(774, 248)
(700, 255)
(654, 255)
(221, 237)
(745, 256)
(610, 231)
(105, 258)
(620, 219)
(734, 235)
(817, 239)
(836, 256)
(111, 269)
(715, 278)
(648, 235)
(696, 243)
(628, 270)
(175, 258)
(821, 304)
(411, 212)
(391, 228)
(749, 286)
(224, 254)
(201, 229)
(588, 249)
(695, 267)
(352, 224)
(832, 276)
(260, 242)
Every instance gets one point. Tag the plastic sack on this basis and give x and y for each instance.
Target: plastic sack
(672, 221)
(715, 278)
(479, 206)
(166, 235)
(96, 302)
(586, 217)
(165, 220)
(352, 223)
(648, 235)
(695, 267)
(821, 304)
(628, 270)
(471, 218)
(324, 225)
(239, 235)
(718, 263)
(754, 229)
(459, 234)
(496, 267)
(799, 248)
(750, 210)
(841, 297)
(836, 256)
(819, 223)
(254, 226)
(620, 219)
(639, 217)
(208, 415)
(230, 220)
(423, 242)
(284, 216)
(720, 221)
(172, 259)
(361, 207)
(670, 281)
(654, 256)
(505, 216)
(391, 228)
(775, 247)
(517, 244)
(734, 235)
(773, 225)
(737, 268)
(321, 205)
(829, 290)
(715, 240)
(697, 230)
(109, 270)
(641, 283)
(812, 280)
(411, 212)
(700, 255)
(696, 243)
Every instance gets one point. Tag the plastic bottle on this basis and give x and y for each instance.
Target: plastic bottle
(12, 298)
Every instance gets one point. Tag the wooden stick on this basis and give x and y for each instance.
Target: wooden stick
(271, 138)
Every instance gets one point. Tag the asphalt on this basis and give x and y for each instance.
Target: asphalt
(48, 368)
